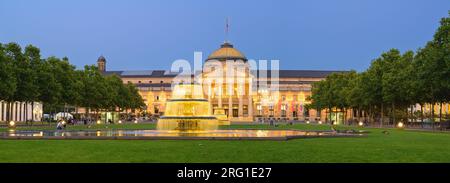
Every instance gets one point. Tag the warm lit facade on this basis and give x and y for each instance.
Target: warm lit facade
(20, 111)
(248, 101)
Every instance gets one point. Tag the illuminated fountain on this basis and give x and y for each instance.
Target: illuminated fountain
(188, 110)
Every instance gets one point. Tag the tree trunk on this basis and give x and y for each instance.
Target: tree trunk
(393, 114)
(32, 112)
(421, 115)
(345, 117)
(382, 115)
(412, 114)
(358, 115)
(432, 115)
(329, 112)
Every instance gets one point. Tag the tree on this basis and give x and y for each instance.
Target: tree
(49, 88)
(136, 101)
(91, 79)
(26, 88)
(8, 82)
(396, 81)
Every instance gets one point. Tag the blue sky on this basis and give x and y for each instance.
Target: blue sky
(151, 34)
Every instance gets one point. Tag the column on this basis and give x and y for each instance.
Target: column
(250, 107)
(241, 107)
(31, 113)
(288, 110)
(220, 97)
(21, 111)
(249, 100)
(13, 111)
(230, 107)
(1, 111)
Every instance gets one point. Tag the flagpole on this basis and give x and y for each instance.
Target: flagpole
(226, 30)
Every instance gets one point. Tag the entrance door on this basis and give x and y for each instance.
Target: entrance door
(235, 112)
(226, 111)
(156, 111)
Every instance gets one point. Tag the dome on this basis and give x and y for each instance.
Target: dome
(227, 52)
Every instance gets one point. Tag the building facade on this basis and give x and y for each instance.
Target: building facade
(20, 111)
(242, 95)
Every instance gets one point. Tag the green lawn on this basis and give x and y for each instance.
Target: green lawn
(397, 146)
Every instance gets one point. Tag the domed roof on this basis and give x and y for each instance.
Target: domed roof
(226, 51)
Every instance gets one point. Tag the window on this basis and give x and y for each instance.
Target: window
(259, 108)
(150, 82)
(283, 110)
(157, 97)
(139, 81)
(162, 82)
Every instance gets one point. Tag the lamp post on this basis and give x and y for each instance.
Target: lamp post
(360, 124)
(400, 125)
(12, 124)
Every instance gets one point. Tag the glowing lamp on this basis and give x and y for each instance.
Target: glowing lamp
(63, 122)
(400, 125)
(120, 121)
(360, 123)
(320, 122)
(307, 122)
(12, 124)
(135, 121)
(98, 122)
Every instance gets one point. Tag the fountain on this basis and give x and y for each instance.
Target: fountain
(219, 113)
(188, 110)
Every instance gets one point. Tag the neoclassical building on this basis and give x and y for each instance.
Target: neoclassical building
(20, 111)
(246, 95)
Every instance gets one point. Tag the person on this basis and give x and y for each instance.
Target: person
(59, 126)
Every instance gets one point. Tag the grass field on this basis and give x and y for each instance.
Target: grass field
(397, 146)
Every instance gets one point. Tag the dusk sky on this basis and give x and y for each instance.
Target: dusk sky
(145, 35)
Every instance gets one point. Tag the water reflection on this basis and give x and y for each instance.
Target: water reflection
(173, 133)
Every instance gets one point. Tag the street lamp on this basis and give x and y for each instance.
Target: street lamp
(360, 123)
(400, 125)
(12, 124)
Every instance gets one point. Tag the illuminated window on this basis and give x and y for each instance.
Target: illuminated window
(259, 109)
(283, 110)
